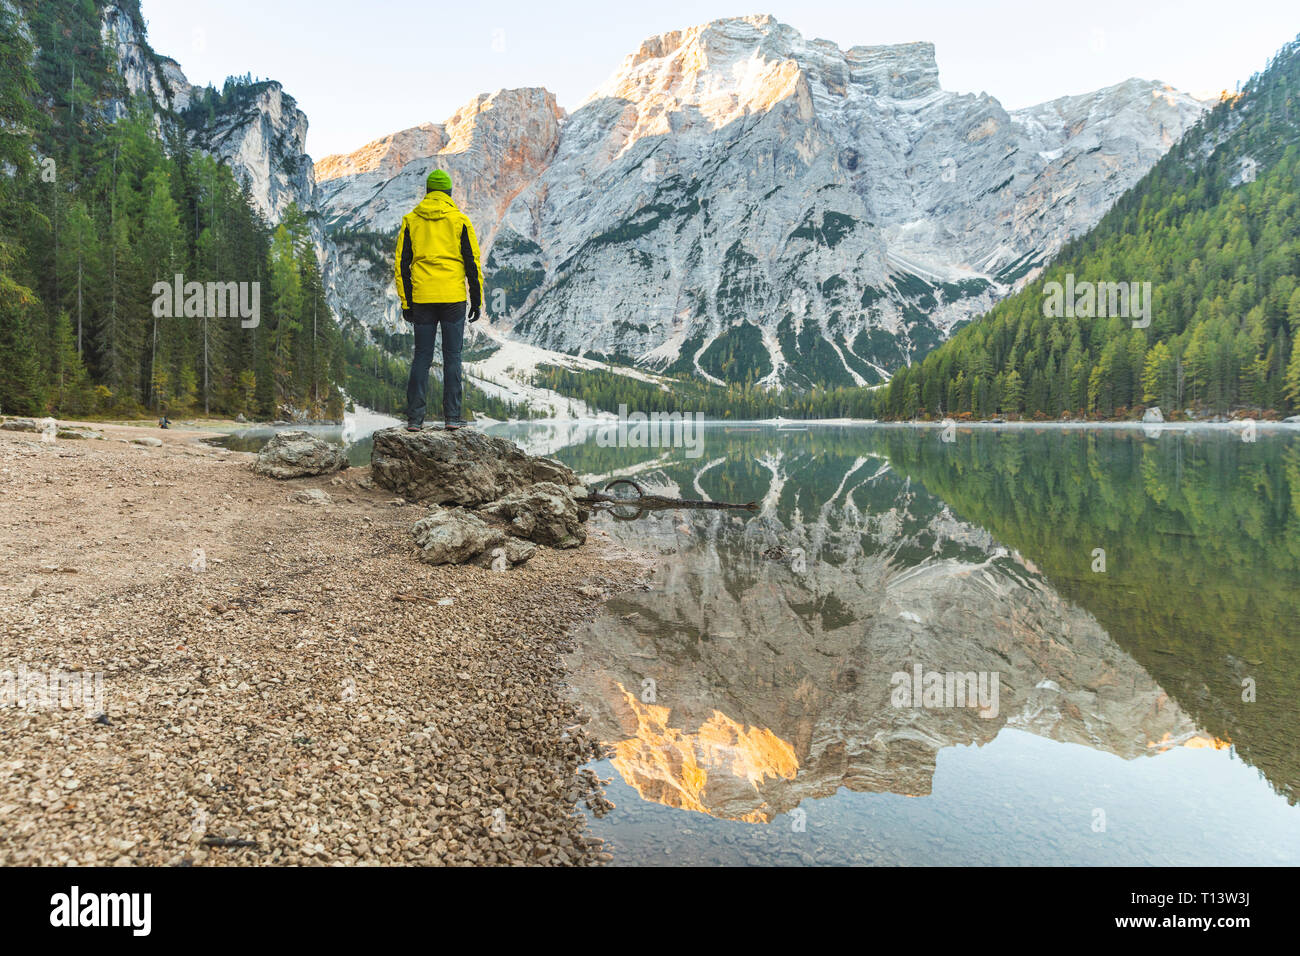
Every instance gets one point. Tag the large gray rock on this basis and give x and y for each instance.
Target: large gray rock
(295, 454)
(544, 513)
(461, 467)
(528, 500)
(1153, 415)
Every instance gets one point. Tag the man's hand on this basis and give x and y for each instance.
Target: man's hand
(474, 312)
(406, 314)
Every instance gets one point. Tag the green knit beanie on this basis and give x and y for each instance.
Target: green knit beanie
(438, 180)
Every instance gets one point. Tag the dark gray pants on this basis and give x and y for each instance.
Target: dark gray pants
(427, 317)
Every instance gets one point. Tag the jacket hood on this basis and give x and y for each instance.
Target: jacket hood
(435, 205)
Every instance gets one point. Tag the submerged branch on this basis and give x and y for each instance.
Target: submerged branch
(646, 502)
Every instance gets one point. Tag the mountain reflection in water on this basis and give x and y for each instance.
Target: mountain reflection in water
(754, 682)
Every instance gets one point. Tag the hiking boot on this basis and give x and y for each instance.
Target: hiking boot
(412, 427)
(459, 423)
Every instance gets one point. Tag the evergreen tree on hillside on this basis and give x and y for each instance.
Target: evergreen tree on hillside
(161, 247)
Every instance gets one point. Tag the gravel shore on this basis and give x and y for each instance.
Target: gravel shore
(272, 678)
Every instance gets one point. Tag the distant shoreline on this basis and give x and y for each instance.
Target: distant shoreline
(793, 423)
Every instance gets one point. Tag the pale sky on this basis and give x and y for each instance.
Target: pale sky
(361, 70)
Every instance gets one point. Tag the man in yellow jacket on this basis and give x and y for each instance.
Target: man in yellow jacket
(437, 258)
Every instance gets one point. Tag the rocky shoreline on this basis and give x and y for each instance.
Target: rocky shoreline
(278, 678)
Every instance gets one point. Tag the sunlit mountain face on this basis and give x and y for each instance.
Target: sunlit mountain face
(912, 618)
(717, 763)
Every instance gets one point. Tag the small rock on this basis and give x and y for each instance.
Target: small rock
(296, 454)
(311, 496)
(454, 536)
(517, 550)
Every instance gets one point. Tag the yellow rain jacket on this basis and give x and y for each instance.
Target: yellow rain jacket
(437, 255)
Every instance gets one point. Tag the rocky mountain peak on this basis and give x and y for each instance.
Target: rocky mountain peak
(718, 40)
(263, 135)
(712, 73)
(753, 61)
(387, 155)
(491, 118)
(493, 146)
